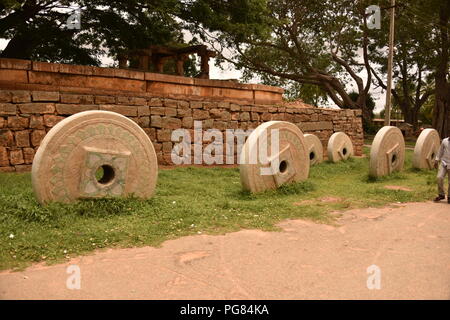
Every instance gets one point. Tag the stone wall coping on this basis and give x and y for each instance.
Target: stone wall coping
(38, 66)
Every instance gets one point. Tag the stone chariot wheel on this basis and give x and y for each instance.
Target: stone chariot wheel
(340, 147)
(262, 168)
(314, 148)
(426, 149)
(94, 154)
(387, 153)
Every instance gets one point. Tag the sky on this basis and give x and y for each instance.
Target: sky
(231, 73)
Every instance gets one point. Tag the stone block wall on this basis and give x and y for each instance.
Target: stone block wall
(28, 110)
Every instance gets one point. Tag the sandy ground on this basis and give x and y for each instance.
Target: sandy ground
(409, 243)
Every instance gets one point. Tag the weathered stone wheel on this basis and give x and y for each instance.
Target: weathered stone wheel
(426, 149)
(94, 154)
(340, 147)
(387, 153)
(314, 148)
(289, 164)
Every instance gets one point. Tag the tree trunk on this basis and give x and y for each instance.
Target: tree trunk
(411, 116)
(367, 115)
(441, 116)
(361, 103)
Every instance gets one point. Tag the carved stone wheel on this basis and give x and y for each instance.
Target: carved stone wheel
(314, 148)
(340, 147)
(426, 149)
(387, 153)
(94, 154)
(290, 164)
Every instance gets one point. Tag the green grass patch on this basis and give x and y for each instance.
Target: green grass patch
(188, 201)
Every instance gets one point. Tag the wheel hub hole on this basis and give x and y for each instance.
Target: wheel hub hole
(105, 174)
(344, 151)
(312, 155)
(283, 166)
(394, 158)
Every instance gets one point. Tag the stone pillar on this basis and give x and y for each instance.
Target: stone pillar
(204, 66)
(158, 64)
(179, 65)
(123, 61)
(143, 62)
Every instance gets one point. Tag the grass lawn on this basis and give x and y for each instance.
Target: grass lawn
(188, 201)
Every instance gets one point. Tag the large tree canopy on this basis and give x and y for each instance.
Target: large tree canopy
(37, 28)
(412, 68)
(327, 45)
(313, 47)
(323, 43)
(441, 112)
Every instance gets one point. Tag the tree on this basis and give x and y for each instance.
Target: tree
(317, 42)
(370, 103)
(37, 28)
(426, 113)
(420, 60)
(310, 94)
(413, 83)
(441, 117)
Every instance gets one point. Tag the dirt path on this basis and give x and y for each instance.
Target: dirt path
(410, 244)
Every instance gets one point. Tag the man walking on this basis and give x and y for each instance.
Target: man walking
(443, 161)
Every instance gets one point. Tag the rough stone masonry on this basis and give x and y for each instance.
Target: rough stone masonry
(34, 96)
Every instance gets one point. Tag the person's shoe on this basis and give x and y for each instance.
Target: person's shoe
(439, 198)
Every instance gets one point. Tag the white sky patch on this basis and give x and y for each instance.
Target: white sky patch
(3, 44)
(228, 72)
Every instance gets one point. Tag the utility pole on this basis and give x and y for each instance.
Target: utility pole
(387, 108)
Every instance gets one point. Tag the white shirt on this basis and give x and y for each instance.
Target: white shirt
(444, 153)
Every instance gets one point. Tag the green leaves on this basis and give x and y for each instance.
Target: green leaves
(38, 29)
